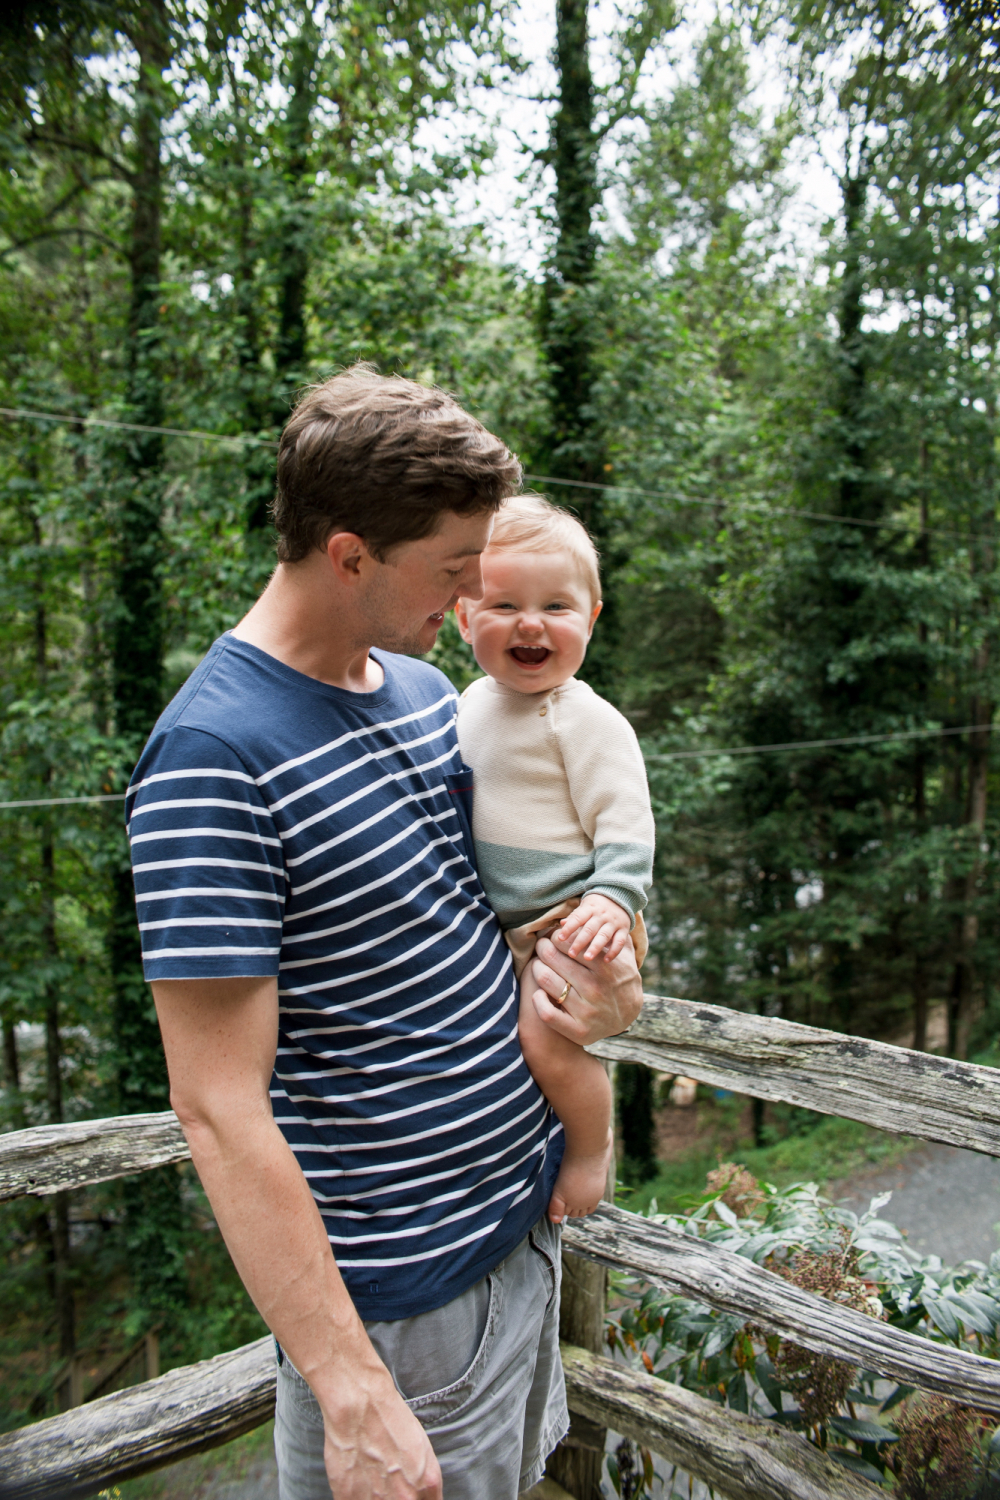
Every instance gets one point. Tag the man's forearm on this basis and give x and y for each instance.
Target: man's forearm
(275, 1235)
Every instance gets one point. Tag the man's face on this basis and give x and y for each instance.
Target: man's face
(406, 598)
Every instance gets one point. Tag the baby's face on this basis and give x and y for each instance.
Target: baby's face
(531, 627)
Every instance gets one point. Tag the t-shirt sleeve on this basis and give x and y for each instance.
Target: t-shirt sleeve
(206, 859)
(607, 782)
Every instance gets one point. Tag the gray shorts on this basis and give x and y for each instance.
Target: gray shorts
(482, 1373)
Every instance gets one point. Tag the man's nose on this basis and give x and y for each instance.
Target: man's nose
(472, 580)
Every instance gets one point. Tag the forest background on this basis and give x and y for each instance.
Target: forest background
(779, 422)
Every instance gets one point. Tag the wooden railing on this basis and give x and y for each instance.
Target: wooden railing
(200, 1406)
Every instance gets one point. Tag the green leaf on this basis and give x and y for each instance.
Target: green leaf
(856, 1464)
(942, 1317)
(899, 1394)
(863, 1432)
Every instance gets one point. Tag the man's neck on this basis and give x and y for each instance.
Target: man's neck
(299, 622)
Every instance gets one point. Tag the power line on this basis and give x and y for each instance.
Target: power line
(188, 432)
(581, 484)
(854, 739)
(770, 510)
(60, 801)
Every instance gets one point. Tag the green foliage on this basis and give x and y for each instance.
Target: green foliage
(856, 1260)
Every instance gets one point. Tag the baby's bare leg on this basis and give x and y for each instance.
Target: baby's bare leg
(579, 1090)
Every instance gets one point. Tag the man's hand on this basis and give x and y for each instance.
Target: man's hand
(603, 999)
(220, 1037)
(375, 1449)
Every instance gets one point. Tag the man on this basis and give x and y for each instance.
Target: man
(336, 1001)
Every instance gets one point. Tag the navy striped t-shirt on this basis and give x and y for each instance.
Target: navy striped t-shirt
(282, 826)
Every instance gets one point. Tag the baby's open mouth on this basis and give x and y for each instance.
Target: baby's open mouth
(530, 656)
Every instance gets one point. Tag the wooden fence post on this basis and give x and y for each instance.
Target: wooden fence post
(151, 1353)
(578, 1462)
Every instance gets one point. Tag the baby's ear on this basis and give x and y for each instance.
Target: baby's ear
(462, 621)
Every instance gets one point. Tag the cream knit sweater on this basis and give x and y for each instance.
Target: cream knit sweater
(560, 802)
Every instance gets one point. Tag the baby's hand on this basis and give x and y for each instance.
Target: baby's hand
(599, 924)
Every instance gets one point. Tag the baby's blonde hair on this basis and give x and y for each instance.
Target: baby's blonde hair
(530, 523)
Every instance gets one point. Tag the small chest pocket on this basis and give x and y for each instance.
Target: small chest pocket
(459, 788)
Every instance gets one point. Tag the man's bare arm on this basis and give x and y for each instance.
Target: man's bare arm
(220, 1037)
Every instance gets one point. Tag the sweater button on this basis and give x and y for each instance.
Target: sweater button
(542, 712)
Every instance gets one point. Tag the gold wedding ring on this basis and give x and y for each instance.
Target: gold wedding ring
(560, 998)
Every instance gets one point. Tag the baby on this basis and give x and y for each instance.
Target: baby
(561, 817)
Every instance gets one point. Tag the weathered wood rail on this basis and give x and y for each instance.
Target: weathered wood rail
(910, 1093)
(711, 1274)
(201, 1406)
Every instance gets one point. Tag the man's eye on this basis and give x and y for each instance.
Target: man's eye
(454, 572)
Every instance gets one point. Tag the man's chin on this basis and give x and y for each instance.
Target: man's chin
(422, 640)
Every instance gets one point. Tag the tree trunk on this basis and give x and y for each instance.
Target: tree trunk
(56, 1241)
(152, 1202)
(292, 247)
(853, 491)
(574, 449)
(258, 460)
(961, 1007)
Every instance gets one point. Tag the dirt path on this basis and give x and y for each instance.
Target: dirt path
(947, 1201)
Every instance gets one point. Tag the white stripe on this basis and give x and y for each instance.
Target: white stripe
(407, 1260)
(207, 922)
(455, 986)
(350, 833)
(404, 1232)
(220, 864)
(409, 1062)
(354, 734)
(437, 1130)
(393, 778)
(151, 953)
(209, 890)
(410, 982)
(400, 1114)
(381, 938)
(251, 837)
(225, 775)
(399, 748)
(376, 911)
(369, 856)
(247, 807)
(419, 1081)
(382, 1169)
(416, 1182)
(403, 1015)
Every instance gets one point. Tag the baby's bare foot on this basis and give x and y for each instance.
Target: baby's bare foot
(580, 1185)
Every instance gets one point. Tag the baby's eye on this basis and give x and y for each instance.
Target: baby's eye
(556, 605)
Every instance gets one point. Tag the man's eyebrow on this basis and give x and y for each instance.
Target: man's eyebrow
(467, 552)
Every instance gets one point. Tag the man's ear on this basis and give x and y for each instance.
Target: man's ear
(347, 555)
(462, 621)
(593, 617)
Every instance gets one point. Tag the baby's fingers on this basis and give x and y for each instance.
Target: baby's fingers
(585, 937)
(569, 924)
(616, 944)
(605, 935)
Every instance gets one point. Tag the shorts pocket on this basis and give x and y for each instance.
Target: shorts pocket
(546, 1241)
(437, 1406)
(296, 1390)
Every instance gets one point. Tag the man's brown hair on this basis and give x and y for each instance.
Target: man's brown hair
(382, 457)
